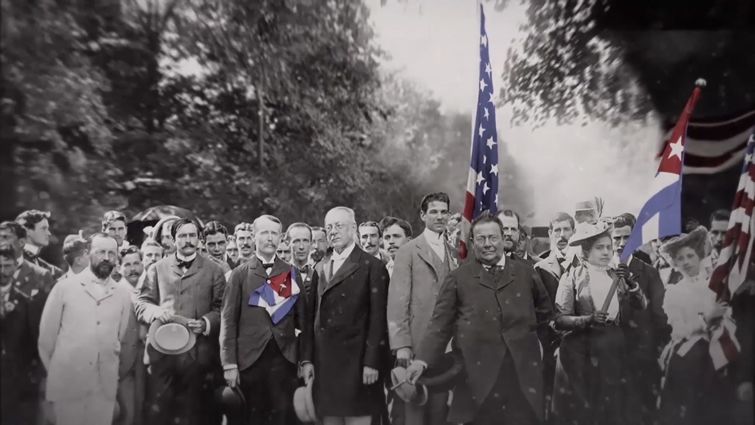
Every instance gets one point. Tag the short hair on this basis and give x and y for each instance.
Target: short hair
(485, 217)
(434, 197)
(183, 222)
(131, 249)
(109, 217)
(300, 225)
(512, 213)
(150, 242)
(561, 216)
(96, 235)
(158, 229)
(389, 221)
(74, 247)
(371, 224)
(30, 218)
(214, 227)
(720, 215)
(15, 228)
(272, 218)
(349, 212)
(317, 229)
(243, 226)
(624, 220)
(9, 251)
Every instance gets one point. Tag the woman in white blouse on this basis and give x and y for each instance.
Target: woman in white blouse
(692, 389)
(594, 304)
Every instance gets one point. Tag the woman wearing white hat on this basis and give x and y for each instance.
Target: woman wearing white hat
(692, 390)
(595, 304)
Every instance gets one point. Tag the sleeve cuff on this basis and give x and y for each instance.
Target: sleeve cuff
(421, 363)
(207, 327)
(230, 366)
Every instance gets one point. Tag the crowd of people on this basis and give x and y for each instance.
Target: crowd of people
(352, 322)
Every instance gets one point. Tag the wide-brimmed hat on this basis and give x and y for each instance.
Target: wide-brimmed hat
(171, 338)
(304, 405)
(441, 377)
(586, 232)
(697, 239)
(404, 389)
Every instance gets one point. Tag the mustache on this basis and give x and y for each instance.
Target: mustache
(133, 273)
(245, 245)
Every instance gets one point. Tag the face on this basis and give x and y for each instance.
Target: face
(117, 229)
(40, 235)
(10, 237)
(620, 237)
(216, 245)
(267, 237)
(560, 233)
(187, 239)
(319, 244)
(301, 244)
(7, 268)
(601, 252)
(245, 243)
(166, 240)
(393, 238)
(132, 268)
(718, 232)
(232, 250)
(687, 260)
(436, 216)
(510, 233)
(284, 252)
(340, 229)
(370, 238)
(488, 242)
(151, 255)
(103, 256)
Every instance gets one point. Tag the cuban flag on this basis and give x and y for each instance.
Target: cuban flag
(278, 294)
(661, 216)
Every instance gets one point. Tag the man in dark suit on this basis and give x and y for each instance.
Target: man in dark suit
(186, 284)
(491, 307)
(37, 226)
(649, 330)
(263, 308)
(350, 331)
(299, 236)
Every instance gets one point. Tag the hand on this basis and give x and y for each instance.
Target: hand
(369, 375)
(308, 372)
(197, 326)
(231, 377)
(165, 316)
(404, 356)
(599, 317)
(415, 371)
(622, 272)
(744, 391)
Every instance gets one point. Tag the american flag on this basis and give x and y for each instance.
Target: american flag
(734, 261)
(482, 183)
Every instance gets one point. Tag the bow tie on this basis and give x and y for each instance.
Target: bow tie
(185, 264)
(267, 265)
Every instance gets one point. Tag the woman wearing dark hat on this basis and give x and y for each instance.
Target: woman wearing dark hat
(692, 390)
(594, 304)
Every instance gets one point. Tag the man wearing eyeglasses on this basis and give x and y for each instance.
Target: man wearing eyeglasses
(350, 332)
(420, 266)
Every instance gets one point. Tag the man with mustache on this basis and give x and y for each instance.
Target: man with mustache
(244, 233)
(650, 331)
(189, 285)
(421, 266)
(396, 232)
(512, 233)
(299, 236)
(83, 325)
(232, 252)
(319, 244)
(370, 237)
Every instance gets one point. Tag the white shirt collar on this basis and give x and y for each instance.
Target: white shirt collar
(433, 238)
(189, 258)
(344, 254)
(32, 249)
(502, 261)
(20, 260)
(262, 260)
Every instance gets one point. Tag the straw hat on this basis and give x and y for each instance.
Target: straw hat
(697, 239)
(586, 232)
(304, 405)
(171, 338)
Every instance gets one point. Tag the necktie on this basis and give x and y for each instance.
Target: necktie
(184, 264)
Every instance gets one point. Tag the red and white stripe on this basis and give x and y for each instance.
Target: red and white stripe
(713, 146)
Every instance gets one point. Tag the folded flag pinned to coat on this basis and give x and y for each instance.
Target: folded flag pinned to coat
(278, 294)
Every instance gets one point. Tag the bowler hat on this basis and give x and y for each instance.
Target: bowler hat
(438, 378)
(231, 400)
(171, 338)
(304, 405)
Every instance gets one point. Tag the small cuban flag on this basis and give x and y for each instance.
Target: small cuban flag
(278, 294)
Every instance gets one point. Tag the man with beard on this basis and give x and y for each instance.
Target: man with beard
(370, 237)
(319, 244)
(259, 346)
(396, 232)
(421, 265)
(232, 252)
(114, 224)
(719, 223)
(152, 252)
(512, 232)
(299, 236)
(19, 384)
(83, 323)
(184, 287)
(650, 331)
(37, 225)
(244, 233)
(215, 241)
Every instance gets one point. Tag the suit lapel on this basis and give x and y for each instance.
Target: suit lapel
(505, 277)
(424, 252)
(349, 266)
(174, 266)
(485, 278)
(196, 265)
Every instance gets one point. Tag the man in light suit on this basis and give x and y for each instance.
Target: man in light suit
(419, 268)
(190, 285)
(492, 307)
(259, 347)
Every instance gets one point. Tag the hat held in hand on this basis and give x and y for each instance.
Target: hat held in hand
(171, 338)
